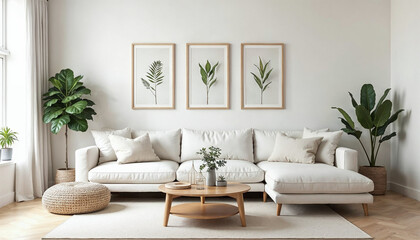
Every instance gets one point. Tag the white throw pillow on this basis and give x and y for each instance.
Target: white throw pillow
(133, 150)
(288, 149)
(264, 141)
(235, 145)
(106, 153)
(329, 143)
(167, 144)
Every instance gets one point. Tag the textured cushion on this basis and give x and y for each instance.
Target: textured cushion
(297, 150)
(313, 178)
(234, 171)
(145, 172)
(329, 143)
(167, 144)
(234, 144)
(264, 142)
(106, 153)
(133, 150)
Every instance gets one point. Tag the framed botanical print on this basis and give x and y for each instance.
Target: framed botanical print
(153, 76)
(262, 76)
(208, 76)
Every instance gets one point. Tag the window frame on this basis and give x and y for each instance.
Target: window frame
(3, 55)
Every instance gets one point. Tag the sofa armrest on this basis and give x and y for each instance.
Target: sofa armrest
(346, 158)
(85, 159)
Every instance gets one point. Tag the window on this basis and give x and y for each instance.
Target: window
(3, 55)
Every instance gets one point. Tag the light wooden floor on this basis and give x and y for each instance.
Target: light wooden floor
(392, 216)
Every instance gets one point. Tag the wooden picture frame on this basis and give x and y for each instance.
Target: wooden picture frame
(144, 90)
(197, 53)
(254, 90)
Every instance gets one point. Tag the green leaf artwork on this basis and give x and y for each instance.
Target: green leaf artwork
(374, 119)
(261, 78)
(154, 78)
(208, 73)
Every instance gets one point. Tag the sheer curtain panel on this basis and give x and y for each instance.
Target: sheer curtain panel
(34, 171)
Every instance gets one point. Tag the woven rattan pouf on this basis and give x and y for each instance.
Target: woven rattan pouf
(76, 197)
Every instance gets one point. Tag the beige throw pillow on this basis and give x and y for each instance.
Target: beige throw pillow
(296, 150)
(133, 150)
(106, 153)
(329, 143)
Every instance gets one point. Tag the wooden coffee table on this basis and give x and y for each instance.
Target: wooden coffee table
(202, 210)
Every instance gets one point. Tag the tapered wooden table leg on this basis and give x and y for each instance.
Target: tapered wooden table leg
(168, 204)
(365, 209)
(203, 199)
(240, 202)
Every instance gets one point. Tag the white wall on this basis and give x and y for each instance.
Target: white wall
(331, 47)
(405, 82)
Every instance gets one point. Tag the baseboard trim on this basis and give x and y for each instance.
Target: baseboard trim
(7, 198)
(404, 190)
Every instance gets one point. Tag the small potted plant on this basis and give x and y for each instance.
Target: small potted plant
(221, 181)
(212, 163)
(7, 138)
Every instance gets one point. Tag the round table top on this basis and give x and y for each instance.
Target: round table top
(208, 191)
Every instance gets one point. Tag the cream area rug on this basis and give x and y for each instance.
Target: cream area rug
(143, 218)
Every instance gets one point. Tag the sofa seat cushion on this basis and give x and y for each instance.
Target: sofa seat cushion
(143, 172)
(285, 177)
(234, 171)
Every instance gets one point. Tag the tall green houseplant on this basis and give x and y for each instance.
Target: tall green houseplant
(375, 117)
(66, 106)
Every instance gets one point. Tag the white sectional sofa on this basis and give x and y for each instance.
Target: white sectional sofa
(246, 152)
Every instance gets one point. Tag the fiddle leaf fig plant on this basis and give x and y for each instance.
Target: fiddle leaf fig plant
(262, 79)
(154, 78)
(208, 76)
(375, 117)
(65, 104)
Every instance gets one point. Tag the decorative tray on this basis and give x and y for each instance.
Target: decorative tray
(178, 185)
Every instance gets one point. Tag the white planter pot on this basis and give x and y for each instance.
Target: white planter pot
(6, 154)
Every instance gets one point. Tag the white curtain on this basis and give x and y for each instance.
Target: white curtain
(33, 172)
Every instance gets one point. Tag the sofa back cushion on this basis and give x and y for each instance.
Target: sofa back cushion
(106, 153)
(264, 141)
(235, 144)
(166, 144)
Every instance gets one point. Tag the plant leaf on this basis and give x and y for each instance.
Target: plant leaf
(353, 102)
(76, 108)
(346, 116)
(387, 137)
(89, 102)
(381, 130)
(363, 117)
(203, 74)
(58, 123)
(265, 87)
(87, 113)
(383, 97)
(208, 66)
(145, 83)
(76, 95)
(367, 97)
(382, 113)
(257, 80)
(51, 113)
(78, 124)
(50, 102)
